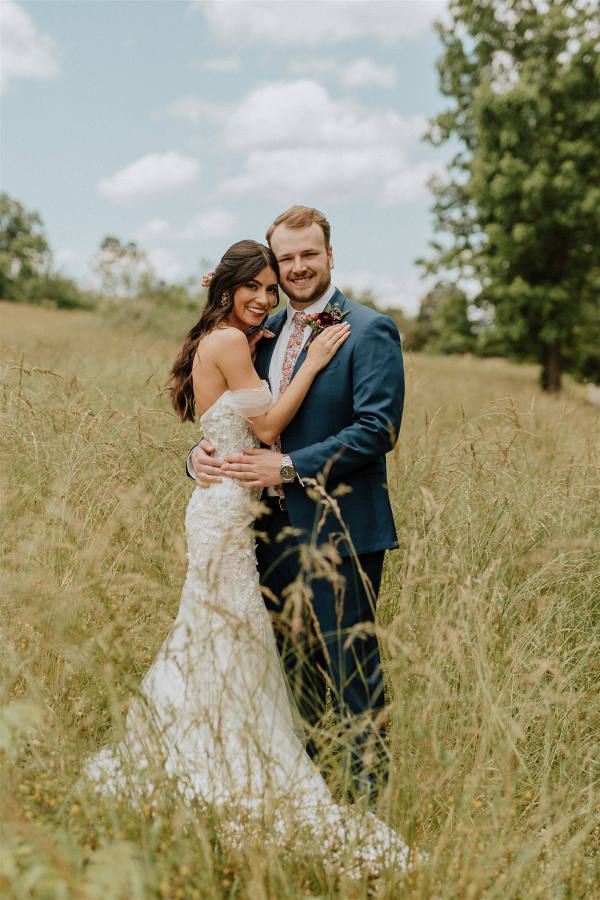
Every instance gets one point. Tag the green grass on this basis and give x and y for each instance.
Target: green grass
(489, 620)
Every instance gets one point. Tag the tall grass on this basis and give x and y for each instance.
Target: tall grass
(489, 620)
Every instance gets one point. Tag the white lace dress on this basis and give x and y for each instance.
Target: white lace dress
(214, 708)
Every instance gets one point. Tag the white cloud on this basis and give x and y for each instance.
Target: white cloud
(165, 264)
(313, 23)
(302, 113)
(333, 149)
(366, 71)
(359, 72)
(214, 223)
(63, 257)
(410, 184)
(195, 109)
(155, 173)
(380, 174)
(25, 52)
(153, 230)
(326, 171)
(295, 139)
(223, 64)
(314, 65)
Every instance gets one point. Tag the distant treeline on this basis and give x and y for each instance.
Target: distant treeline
(129, 294)
(128, 290)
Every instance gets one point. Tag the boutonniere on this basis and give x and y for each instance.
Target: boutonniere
(318, 322)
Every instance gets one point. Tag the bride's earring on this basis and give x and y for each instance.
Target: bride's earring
(224, 299)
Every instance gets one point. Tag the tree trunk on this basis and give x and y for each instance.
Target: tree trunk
(551, 368)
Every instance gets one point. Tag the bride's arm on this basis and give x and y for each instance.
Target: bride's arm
(235, 363)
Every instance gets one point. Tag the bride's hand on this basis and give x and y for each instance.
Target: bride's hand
(255, 337)
(326, 344)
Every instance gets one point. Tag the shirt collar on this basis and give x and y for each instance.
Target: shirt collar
(317, 307)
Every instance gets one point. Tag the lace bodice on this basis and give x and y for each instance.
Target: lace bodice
(226, 424)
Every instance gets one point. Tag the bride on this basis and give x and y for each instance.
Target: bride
(214, 710)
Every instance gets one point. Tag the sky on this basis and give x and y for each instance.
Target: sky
(186, 126)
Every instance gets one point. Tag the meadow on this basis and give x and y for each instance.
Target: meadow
(489, 620)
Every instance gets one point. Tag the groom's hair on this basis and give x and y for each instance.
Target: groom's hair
(301, 217)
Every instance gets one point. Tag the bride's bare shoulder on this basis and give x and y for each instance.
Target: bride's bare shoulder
(226, 339)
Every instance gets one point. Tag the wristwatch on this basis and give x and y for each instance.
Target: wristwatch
(287, 471)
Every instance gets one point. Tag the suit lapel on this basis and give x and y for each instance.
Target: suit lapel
(338, 299)
(266, 346)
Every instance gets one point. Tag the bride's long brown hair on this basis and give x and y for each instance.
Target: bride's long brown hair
(240, 264)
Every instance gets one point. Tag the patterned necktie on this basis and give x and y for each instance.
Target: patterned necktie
(292, 350)
(292, 353)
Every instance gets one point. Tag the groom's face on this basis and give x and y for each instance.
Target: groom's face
(305, 263)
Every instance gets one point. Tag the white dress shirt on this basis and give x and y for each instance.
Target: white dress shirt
(276, 364)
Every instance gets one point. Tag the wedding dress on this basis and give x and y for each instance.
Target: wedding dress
(215, 708)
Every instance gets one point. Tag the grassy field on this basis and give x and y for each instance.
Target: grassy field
(489, 621)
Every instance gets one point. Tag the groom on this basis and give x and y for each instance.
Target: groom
(337, 441)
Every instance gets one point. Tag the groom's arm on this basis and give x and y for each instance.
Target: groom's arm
(378, 399)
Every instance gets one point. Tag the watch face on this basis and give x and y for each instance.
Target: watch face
(288, 473)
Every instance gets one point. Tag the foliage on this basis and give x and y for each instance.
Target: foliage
(25, 263)
(367, 298)
(168, 310)
(442, 324)
(123, 269)
(522, 207)
(133, 297)
(54, 290)
(489, 621)
(583, 359)
(24, 252)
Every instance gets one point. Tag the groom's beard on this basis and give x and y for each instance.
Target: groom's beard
(318, 286)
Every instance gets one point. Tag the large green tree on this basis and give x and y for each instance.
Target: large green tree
(24, 252)
(25, 262)
(522, 205)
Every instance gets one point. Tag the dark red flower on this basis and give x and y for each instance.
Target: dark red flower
(331, 315)
(326, 319)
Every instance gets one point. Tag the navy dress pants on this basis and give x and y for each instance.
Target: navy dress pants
(321, 640)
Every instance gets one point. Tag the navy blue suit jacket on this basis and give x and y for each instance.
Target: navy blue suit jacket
(348, 421)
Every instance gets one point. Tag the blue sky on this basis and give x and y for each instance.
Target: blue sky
(189, 125)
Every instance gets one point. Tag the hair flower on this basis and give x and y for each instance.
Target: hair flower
(206, 279)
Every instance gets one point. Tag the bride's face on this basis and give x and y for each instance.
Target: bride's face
(253, 300)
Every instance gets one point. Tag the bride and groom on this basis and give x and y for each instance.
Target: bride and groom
(323, 387)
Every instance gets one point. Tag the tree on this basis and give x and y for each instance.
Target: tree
(24, 252)
(54, 290)
(522, 206)
(26, 274)
(367, 298)
(443, 323)
(123, 269)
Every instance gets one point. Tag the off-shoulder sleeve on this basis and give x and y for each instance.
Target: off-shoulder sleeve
(251, 402)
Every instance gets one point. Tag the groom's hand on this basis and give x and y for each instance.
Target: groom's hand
(254, 468)
(206, 468)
